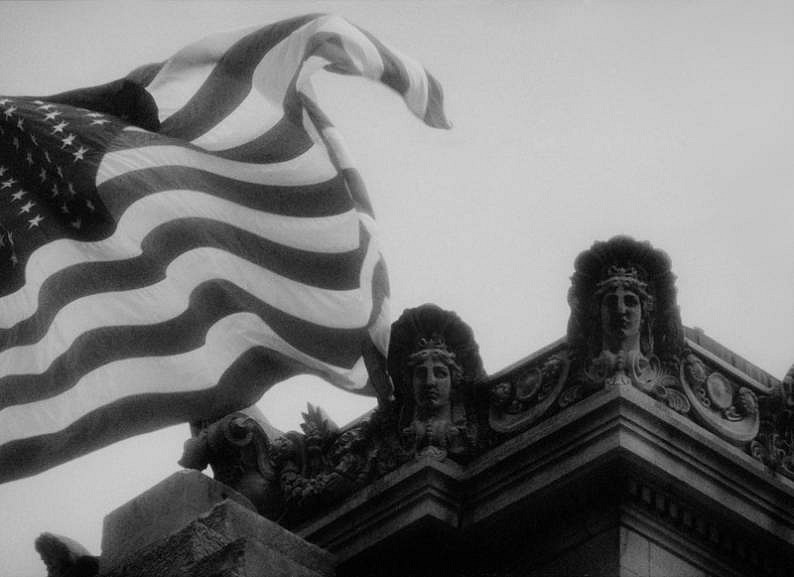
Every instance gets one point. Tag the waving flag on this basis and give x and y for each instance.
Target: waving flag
(173, 243)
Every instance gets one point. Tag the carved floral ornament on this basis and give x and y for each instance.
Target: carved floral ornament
(624, 330)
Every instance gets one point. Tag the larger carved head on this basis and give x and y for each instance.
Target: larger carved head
(623, 298)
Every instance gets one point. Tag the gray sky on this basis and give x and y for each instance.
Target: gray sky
(574, 121)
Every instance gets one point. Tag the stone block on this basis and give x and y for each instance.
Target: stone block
(664, 563)
(634, 552)
(159, 512)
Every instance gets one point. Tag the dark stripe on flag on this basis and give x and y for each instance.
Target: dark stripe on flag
(331, 271)
(230, 81)
(327, 198)
(396, 76)
(239, 387)
(284, 141)
(394, 73)
(434, 116)
(209, 302)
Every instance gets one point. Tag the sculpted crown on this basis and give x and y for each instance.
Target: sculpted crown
(629, 276)
(616, 274)
(434, 342)
(433, 346)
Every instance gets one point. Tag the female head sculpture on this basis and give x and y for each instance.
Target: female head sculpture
(623, 299)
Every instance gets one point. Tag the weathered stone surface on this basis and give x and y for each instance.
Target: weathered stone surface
(235, 523)
(247, 558)
(173, 555)
(159, 512)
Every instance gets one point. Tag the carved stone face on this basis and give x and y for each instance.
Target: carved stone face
(432, 382)
(621, 318)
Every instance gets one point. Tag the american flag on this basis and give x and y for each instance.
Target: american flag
(155, 277)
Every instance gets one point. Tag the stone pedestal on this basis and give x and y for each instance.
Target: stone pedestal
(191, 525)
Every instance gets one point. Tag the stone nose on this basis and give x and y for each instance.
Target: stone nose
(621, 306)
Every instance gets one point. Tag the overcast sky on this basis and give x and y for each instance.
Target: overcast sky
(574, 121)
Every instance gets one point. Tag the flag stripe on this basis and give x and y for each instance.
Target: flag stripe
(351, 309)
(329, 198)
(281, 143)
(333, 234)
(422, 92)
(209, 304)
(312, 167)
(229, 82)
(285, 141)
(200, 369)
(240, 386)
(336, 271)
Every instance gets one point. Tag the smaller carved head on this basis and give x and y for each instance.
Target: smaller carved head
(433, 372)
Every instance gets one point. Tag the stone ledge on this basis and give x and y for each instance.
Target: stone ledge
(611, 435)
(626, 424)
